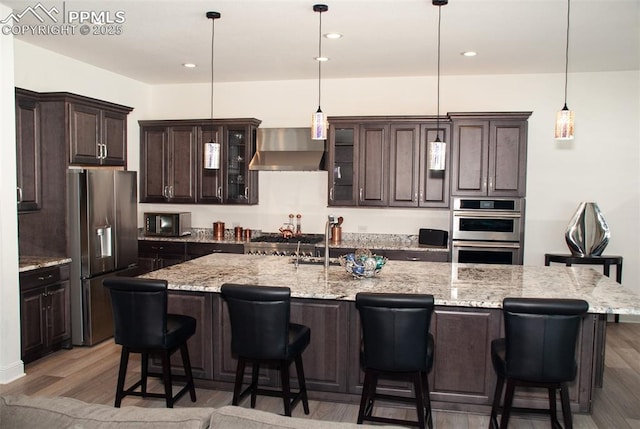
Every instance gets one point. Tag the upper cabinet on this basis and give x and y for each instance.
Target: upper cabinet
(382, 162)
(172, 167)
(97, 134)
(489, 154)
(28, 157)
(93, 131)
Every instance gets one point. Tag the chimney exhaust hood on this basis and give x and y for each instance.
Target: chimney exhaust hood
(287, 149)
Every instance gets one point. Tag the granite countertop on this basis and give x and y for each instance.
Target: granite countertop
(464, 285)
(28, 263)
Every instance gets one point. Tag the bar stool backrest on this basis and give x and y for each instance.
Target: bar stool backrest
(139, 311)
(395, 329)
(541, 336)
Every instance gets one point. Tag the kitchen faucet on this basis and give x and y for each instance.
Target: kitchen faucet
(332, 220)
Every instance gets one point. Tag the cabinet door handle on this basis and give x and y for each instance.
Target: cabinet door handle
(331, 194)
(246, 192)
(105, 152)
(171, 191)
(415, 196)
(360, 195)
(164, 191)
(484, 184)
(491, 183)
(19, 194)
(220, 192)
(46, 277)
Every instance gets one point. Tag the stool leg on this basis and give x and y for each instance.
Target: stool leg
(238, 383)
(418, 389)
(553, 411)
(493, 421)
(144, 363)
(427, 399)
(508, 401)
(302, 384)
(186, 362)
(566, 408)
(166, 378)
(286, 388)
(255, 372)
(122, 373)
(364, 399)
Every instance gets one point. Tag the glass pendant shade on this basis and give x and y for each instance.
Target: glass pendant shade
(564, 124)
(212, 155)
(437, 155)
(318, 125)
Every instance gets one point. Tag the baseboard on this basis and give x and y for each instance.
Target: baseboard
(11, 372)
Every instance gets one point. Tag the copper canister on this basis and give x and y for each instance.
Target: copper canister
(336, 234)
(247, 234)
(218, 230)
(238, 233)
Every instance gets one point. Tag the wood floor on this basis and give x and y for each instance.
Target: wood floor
(90, 374)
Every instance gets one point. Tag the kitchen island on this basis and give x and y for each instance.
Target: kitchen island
(467, 317)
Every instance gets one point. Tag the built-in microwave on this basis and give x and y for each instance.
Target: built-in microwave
(167, 224)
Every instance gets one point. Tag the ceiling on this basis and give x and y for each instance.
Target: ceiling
(257, 40)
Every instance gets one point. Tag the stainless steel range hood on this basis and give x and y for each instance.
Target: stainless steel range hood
(287, 149)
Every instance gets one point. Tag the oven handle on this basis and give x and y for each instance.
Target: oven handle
(485, 244)
(487, 214)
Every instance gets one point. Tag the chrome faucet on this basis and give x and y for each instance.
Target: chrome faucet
(331, 221)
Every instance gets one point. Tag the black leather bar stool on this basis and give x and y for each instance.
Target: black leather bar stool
(261, 332)
(142, 325)
(538, 350)
(396, 345)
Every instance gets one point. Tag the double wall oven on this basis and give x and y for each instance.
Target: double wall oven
(488, 231)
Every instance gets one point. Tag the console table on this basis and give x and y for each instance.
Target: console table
(605, 260)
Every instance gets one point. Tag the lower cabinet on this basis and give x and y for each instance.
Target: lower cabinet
(44, 311)
(199, 306)
(462, 377)
(156, 254)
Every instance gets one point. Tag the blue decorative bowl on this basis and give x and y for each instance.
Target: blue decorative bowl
(362, 263)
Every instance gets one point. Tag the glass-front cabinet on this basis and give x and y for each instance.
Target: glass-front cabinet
(342, 160)
(231, 182)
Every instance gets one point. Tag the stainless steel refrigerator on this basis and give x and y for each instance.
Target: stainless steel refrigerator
(103, 241)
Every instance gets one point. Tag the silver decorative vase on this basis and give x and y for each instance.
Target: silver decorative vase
(587, 233)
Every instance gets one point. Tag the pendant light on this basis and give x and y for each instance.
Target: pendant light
(319, 119)
(438, 148)
(564, 118)
(212, 148)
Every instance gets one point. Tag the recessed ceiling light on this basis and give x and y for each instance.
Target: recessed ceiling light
(322, 59)
(333, 35)
(189, 65)
(469, 53)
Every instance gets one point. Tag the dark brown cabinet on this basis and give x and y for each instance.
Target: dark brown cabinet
(167, 164)
(382, 162)
(44, 311)
(195, 250)
(489, 154)
(97, 135)
(156, 254)
(411, 183)
(172, 167)
(28, 156)
(198, 305)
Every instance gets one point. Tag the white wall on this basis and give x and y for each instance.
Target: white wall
(11, 365)
(601, 164)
